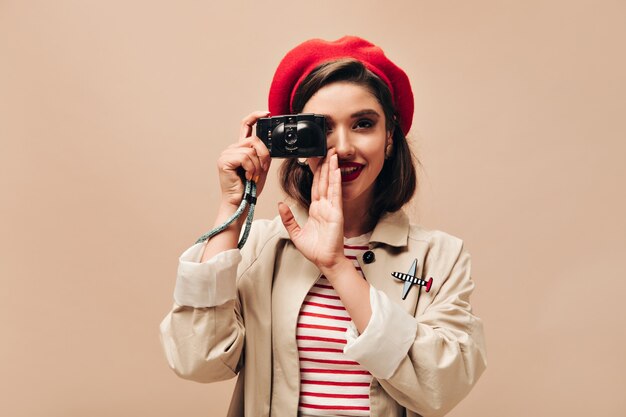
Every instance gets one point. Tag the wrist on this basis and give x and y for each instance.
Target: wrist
(337, 268)
(227, 207)
(225, 211)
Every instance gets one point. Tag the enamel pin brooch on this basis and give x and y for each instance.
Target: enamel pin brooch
(410, 278)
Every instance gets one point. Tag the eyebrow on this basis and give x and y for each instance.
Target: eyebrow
(365, 112)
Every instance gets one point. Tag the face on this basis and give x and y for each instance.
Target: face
(356, 131)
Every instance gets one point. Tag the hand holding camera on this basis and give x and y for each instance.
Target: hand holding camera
(286, 136)
(248, 158)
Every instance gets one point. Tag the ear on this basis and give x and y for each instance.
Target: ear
(389, 140)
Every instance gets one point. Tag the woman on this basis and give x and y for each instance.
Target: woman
(319, 313)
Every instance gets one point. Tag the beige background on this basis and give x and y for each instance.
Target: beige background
(112, 114)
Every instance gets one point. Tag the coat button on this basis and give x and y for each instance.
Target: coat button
(368, 257)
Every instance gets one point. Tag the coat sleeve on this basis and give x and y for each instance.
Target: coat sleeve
(432, 360)
(203, 335)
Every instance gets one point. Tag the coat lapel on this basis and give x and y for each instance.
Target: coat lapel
(294, 275)
(390, 244)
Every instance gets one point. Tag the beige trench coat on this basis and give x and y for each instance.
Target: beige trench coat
(253, 336)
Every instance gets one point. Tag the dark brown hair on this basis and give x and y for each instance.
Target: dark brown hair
(397, 181)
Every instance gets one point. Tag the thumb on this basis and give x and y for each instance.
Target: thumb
(290, 223)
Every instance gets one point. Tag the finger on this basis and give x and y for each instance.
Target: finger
(249, 121)
(315, 195)
(290, 223)
(323, 183)
(245, 158)
(335, 183)
(262, 152)
(256, 169)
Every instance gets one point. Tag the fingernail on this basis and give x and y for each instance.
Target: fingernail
(256, 179)
(248, 176)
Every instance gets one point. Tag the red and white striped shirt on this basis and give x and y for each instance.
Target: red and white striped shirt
(330, 383)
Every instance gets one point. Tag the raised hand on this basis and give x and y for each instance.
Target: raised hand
(320, 240)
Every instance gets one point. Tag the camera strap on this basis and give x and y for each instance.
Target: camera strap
(249, 198)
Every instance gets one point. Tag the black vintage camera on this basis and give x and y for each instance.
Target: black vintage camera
(293, 135)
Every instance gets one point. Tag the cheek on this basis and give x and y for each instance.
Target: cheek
(378, 152)
(313, 163)
(378, 159)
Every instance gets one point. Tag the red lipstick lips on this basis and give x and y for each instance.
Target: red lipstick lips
(350, 171)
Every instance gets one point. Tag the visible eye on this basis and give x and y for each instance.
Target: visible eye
(364, 124)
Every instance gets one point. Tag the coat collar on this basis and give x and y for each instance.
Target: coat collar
(392, 228)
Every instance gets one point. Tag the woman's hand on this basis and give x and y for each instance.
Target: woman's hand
(320, 240)
(248, 158)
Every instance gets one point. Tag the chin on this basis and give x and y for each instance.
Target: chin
(358, 195)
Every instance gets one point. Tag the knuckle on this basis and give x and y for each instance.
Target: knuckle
(221, 162)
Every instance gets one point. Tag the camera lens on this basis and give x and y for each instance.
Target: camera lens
(291, 138)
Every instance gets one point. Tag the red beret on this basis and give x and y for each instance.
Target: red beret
(304, 58)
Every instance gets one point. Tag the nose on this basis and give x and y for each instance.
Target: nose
(340, 140)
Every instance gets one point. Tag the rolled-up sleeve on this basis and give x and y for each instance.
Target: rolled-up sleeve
(209, 283)
(203, 334)
(430, 362)
(389, 334)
